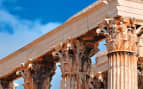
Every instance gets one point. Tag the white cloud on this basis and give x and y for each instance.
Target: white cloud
(18, 24)
(25, 31)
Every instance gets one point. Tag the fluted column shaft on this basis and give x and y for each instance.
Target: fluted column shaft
(121, 43)
(122, 70)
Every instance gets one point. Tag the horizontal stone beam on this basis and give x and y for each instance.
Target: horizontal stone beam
(79, 24)
(131, 8)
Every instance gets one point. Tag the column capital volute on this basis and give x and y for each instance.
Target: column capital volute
(121, 34)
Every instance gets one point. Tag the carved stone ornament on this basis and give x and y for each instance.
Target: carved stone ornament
(121, 34)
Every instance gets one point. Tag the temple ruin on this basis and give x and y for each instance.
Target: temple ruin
(120, 66)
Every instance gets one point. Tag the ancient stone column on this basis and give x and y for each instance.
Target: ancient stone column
(121, 45)
(99, 81)
(75, 64)
(6, 84)
(38, 74)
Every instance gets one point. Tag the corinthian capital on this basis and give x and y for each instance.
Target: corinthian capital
(121, 34)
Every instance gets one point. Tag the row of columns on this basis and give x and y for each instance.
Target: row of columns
(74, 56)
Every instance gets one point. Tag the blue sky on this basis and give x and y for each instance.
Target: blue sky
(22, 21)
